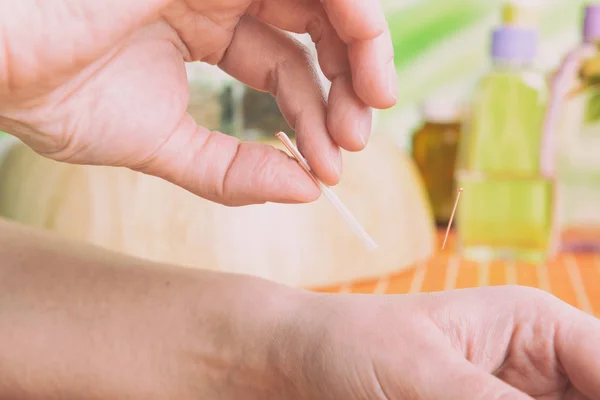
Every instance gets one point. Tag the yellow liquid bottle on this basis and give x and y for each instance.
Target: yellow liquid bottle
(506, 210)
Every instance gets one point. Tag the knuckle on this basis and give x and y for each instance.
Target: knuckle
(537, 295)
(266, 172)
(529, 294)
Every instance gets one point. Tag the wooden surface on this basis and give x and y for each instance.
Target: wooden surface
(573, 278)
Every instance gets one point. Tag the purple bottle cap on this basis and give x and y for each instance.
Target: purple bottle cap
(513, 43)
(591, 23)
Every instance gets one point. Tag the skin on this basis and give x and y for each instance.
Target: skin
(80, 322)
(93, 82)
(70, 68)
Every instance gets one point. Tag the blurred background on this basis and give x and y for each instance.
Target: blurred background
(495, 96)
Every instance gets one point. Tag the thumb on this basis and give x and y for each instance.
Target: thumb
(464, 380)
(439, 372)
(222, 169)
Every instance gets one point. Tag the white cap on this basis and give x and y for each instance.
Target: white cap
(442, 110)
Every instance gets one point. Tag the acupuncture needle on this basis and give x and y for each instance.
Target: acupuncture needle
(355, 226)
(452, 217)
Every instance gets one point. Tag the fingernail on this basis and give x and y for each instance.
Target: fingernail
(365, 127)
(335, 161)
(361, 130)
(306, 189)
(363, 134)
(392, 81)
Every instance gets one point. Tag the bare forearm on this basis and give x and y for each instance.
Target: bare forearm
(79, 322)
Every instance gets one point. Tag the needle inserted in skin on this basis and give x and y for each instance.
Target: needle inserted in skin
(330, 194)
(452, 217)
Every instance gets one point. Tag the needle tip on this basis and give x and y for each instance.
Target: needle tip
(371, 245)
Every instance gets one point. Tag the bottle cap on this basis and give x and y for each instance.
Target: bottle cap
(513, 43)
(441, 110)
(591, 23)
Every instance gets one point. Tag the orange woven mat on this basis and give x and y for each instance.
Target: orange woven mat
(573, 278)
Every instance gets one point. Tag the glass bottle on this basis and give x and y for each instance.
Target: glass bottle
(572, 139)
(434, 148)
(219, 102)
(506, 210)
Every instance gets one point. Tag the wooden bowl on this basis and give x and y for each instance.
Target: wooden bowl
(299, 245)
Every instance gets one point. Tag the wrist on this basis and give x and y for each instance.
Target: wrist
(79, 322)
(241, 353)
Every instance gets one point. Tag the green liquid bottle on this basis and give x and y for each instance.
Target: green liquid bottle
(506, 210)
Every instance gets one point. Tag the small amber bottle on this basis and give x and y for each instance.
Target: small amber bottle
(434, 148)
